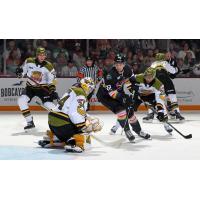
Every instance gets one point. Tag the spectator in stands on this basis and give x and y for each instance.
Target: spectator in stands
(182, 53)
(103, 46)
(149, 59)
(148, 44)
(12, 62)
(61, 61)
(155, 51)
(69, 70)
(135, 68)
(28, 51)
(44, 44)
(60, 48)
(78, 58)
(129, 58)
(12, 47)
(181, 65)
(196, 70)
(189, 60)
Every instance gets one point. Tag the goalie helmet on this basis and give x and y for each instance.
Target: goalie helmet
(87, 84)
(160, 57)
(40, 50)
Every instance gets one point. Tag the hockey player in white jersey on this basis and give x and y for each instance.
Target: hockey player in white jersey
(163, 69)
(69, 122)
(41, 82)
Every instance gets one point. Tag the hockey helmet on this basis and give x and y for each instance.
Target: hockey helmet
(87, 85)
(150, 72)
(40, 50)
(119, 58)
(160, 57)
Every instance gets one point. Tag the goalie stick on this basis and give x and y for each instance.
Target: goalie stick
(114, 144)
(155, 112)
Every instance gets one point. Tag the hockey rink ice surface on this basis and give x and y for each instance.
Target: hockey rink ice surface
(15, 144)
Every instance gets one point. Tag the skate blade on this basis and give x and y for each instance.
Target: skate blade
(31, 130)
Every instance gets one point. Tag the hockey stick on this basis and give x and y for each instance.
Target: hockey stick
(116, 143)
(18, 84)
(43, 88)
(155, 112)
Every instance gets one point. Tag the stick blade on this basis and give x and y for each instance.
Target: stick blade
(188, 136)
(117, 143)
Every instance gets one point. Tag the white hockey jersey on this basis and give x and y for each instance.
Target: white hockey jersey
(164, 65)
(146, 89)
(74, 104)
(43, 74)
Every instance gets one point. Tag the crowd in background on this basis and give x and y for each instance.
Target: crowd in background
(68, 55)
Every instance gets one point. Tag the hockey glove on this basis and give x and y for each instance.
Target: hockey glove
(19, 72)
(160, 116)
(128, 101)
(54, 96)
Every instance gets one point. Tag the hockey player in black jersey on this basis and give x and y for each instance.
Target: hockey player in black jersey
(111, 94)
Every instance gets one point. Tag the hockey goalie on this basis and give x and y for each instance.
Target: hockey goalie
(70, 125)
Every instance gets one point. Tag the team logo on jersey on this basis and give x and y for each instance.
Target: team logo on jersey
(36, 76)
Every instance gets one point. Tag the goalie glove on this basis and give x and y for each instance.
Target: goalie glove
(93, 124)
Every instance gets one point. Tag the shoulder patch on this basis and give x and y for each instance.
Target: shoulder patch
(49, 66)
(30, 60)
(78, 91)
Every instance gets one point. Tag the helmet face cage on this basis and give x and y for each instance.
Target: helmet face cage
(87, 84)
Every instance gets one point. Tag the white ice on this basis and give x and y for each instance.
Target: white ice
(15, 144)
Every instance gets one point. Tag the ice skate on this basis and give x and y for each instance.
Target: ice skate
(144, 135)
(130, 136)
(71, 146)
(148, 118)
(29, 127)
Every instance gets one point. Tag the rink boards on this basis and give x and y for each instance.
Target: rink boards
(188, 93)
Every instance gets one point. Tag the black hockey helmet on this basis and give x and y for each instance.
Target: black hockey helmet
(119, 58)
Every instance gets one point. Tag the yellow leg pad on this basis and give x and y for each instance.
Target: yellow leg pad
(88, 139)
(50, 134)
(80, 140)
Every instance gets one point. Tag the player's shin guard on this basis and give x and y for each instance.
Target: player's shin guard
(122, 119)
(137, 129)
